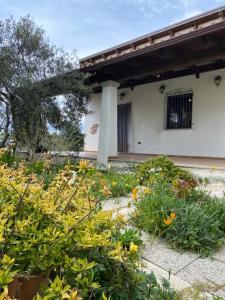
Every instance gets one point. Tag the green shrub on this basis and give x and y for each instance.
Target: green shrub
(196, 228)
(129, 236)
(61, 232)
(8, 156)
(38, 167)
(120, 184)
(159, 292)
(144, 287)
(162, 168)
(115, 184)
(194, 225)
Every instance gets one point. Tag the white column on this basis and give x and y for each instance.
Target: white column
(107, 145)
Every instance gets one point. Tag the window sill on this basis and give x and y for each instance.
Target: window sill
(169, 129)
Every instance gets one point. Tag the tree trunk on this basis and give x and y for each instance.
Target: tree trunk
(6, 129)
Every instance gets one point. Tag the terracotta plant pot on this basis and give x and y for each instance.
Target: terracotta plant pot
(26, 287)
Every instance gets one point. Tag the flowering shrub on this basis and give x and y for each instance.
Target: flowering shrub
(59, 231)
(130, 239)
(197, 224)
(154, 170)
(120, 184)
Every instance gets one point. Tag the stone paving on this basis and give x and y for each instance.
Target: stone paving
(186, 268)
(184, 161)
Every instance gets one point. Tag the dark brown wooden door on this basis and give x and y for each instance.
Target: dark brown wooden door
(123, 126)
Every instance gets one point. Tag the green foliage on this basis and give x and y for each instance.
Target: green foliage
(142, 287)
(9, 158)
(120, 184)
(129, 236)
(6, 271)
(35, 167)
(157, 291)
(38, 168)
(60, 231)
(33, 73)
(161, 167)
(58, 289)
(197, 223)
(153, 208)
(196, 228)
(71, 135)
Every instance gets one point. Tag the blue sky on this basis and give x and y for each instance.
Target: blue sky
(93, 25)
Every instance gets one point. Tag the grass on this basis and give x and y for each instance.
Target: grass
(197, 222)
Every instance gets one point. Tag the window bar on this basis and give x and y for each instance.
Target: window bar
(188, 117)
(179, 109)
(177, 112)
(168, 112)
(174, 111)
(191, 107)
(185, 111)
(182, 107)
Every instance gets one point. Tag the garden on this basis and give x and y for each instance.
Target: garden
(175, 208)
(56, 241)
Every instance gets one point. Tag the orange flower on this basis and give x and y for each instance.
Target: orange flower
(172, 216)
(134, 193)
(167, 222)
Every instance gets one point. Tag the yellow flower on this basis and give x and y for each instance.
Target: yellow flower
(147, 190)
(133, 248)
(134, 193)
(83, 164)
(167, 222)
(114, 183)
(172, 216)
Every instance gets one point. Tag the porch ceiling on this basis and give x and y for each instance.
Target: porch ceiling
(194, 51)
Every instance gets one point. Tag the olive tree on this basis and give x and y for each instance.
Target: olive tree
(33, 73)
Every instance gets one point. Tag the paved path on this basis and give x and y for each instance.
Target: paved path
(186, 268)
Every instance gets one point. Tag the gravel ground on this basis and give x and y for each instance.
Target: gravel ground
(216, 189)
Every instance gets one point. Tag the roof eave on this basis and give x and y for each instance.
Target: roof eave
(209, 21)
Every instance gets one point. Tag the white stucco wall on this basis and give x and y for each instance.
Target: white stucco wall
(206, 138)
(91, 139)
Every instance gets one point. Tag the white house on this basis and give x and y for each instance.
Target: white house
(162, 93)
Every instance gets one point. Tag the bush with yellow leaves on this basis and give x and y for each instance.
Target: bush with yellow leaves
(61, 232)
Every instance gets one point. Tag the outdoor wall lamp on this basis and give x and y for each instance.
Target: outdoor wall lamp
(217, 80)
(122, 95)
(162, 88)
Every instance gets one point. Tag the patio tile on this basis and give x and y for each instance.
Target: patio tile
(204, 270)
(220, 255)
(160, 254)
(176, 283)
(120, 204)
(220, 293)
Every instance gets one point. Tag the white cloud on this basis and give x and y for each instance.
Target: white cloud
(188, 14)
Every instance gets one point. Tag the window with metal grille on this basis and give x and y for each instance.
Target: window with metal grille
(179, 111)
